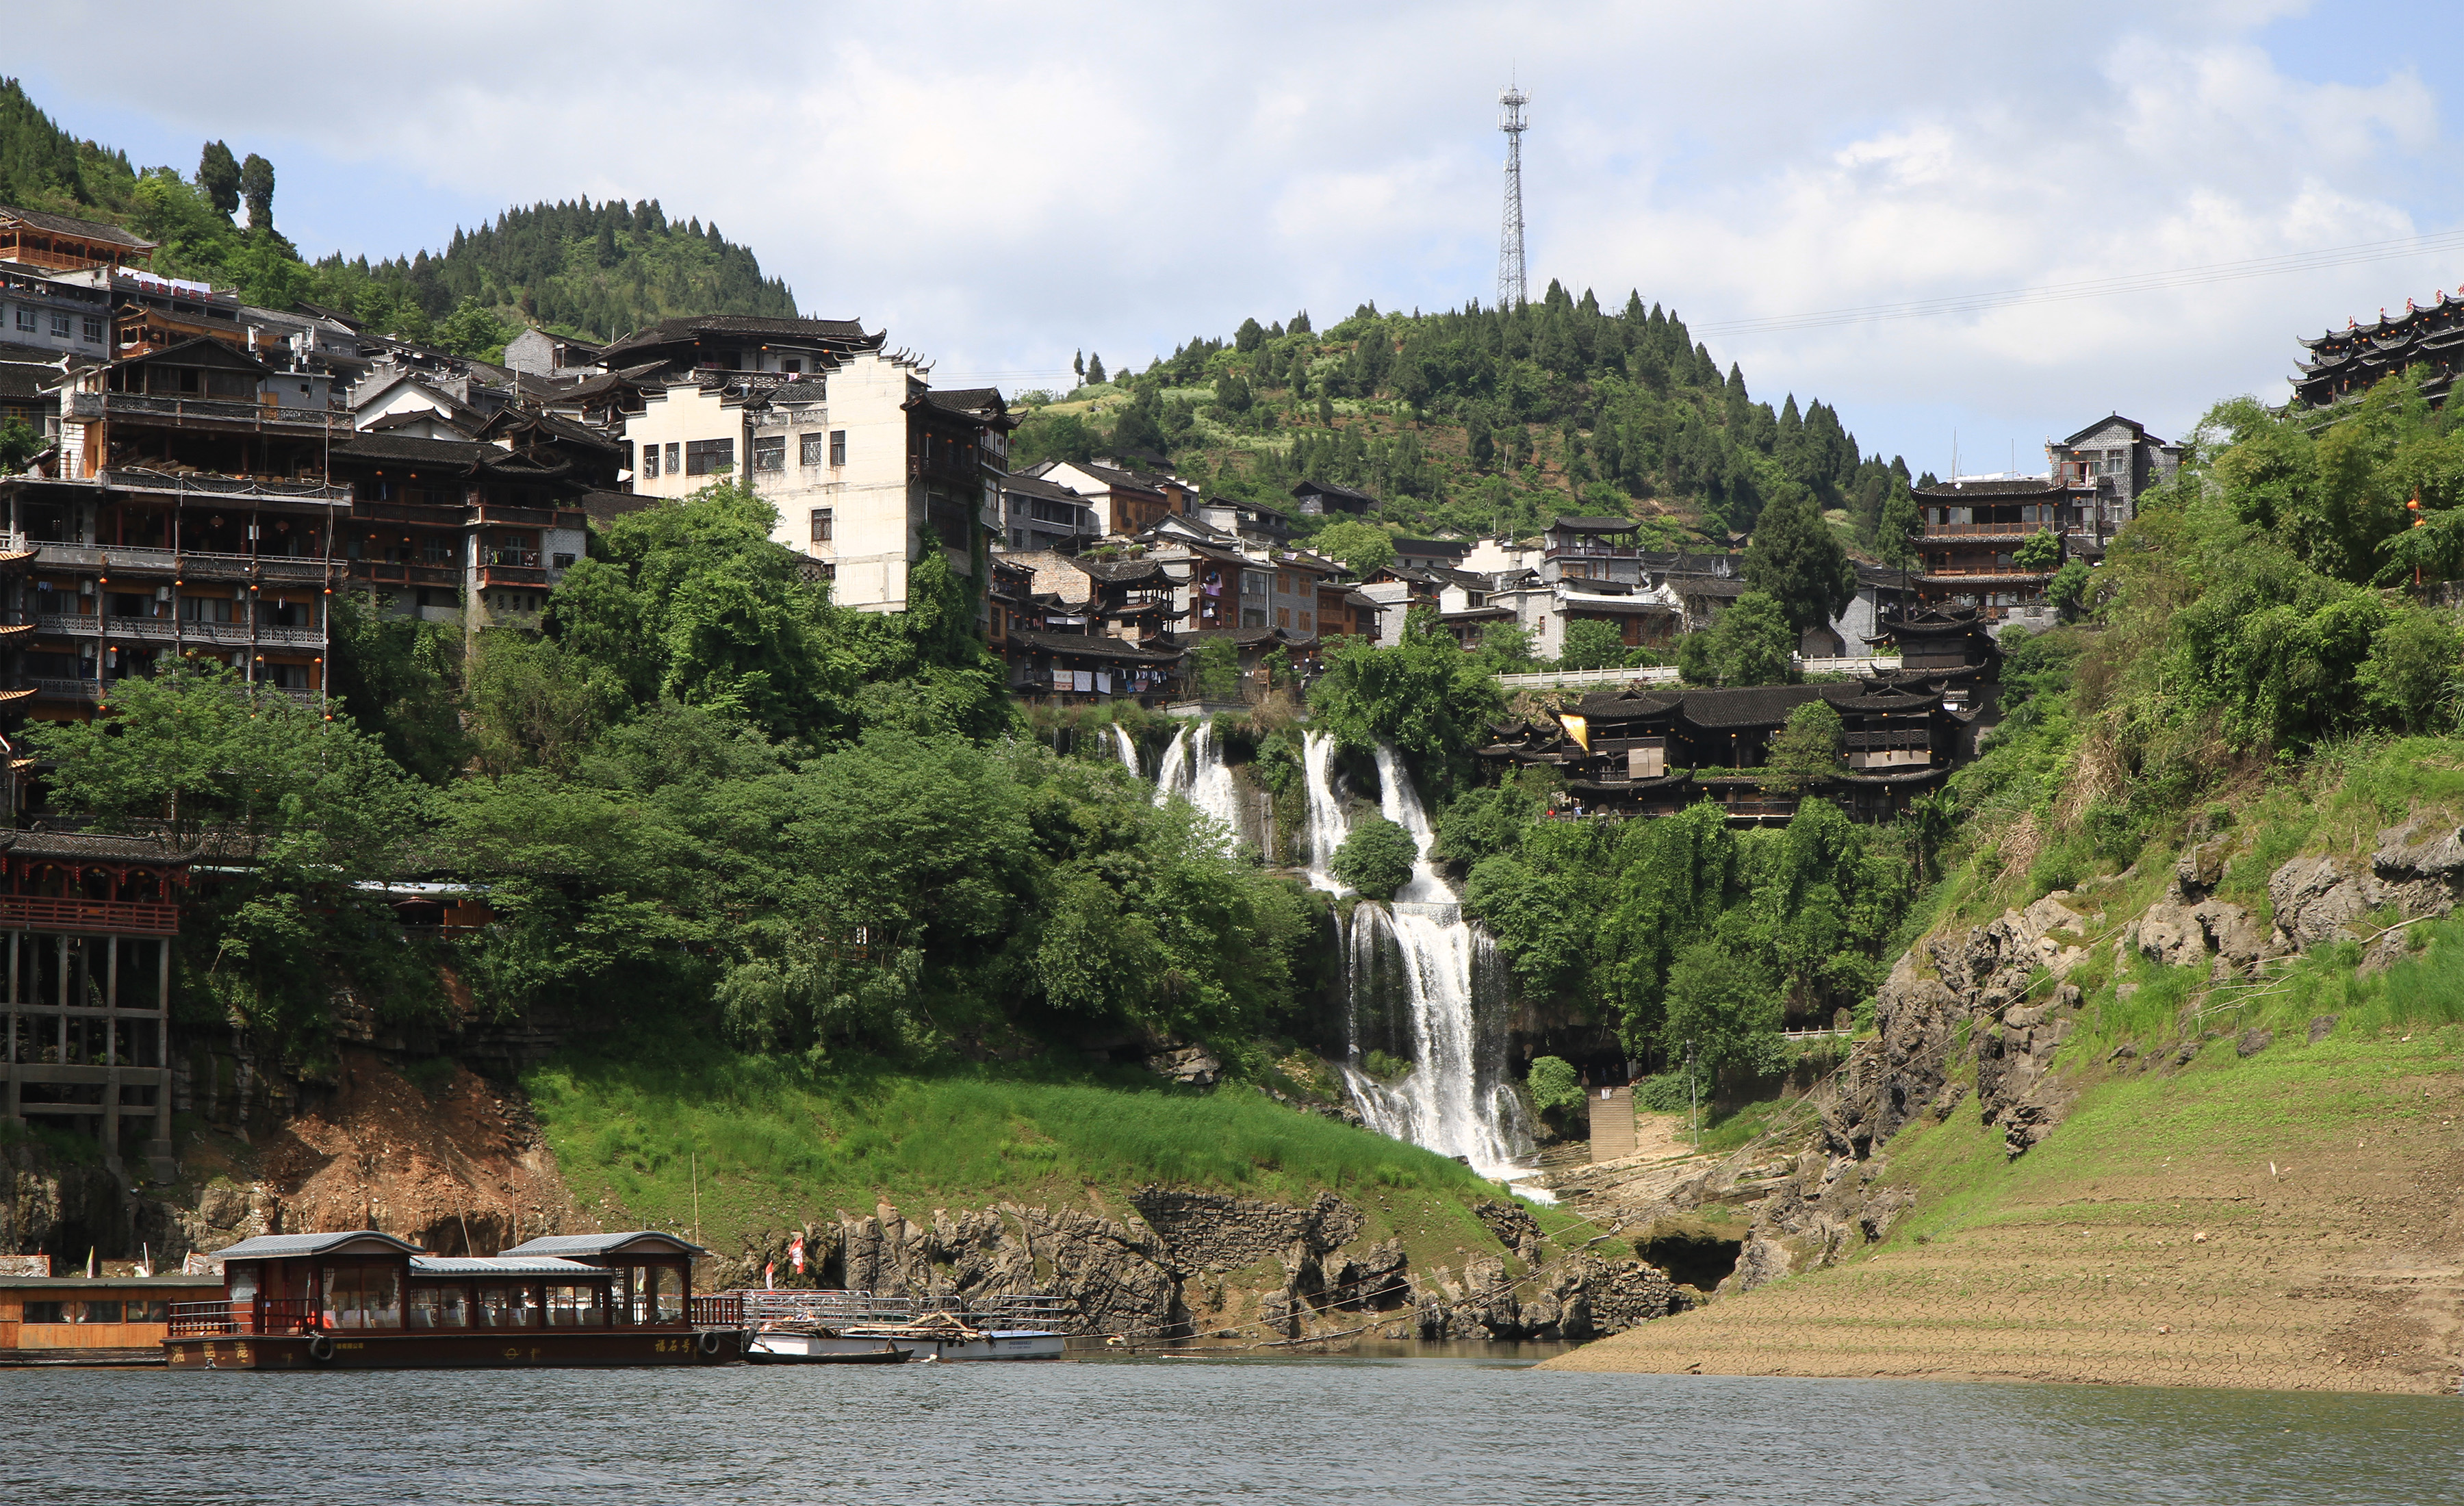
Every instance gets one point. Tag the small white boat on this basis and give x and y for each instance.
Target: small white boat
(860, 1328)
(968, 1343)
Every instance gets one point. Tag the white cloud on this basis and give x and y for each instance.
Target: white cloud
(1002, 185)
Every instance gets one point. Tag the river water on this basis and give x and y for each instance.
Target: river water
(1359, 1431)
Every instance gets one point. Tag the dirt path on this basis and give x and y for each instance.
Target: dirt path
(2300, 1229)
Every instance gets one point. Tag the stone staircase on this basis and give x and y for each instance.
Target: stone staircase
(1612, 1124)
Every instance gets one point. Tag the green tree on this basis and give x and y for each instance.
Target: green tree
(2040, 551)
(2068, 589)
(1216, 666)
(1895, 532)
(218, 176)
(1725, 1005)
(1376, 858)
(473, 331)
(1095, 371)
(1555, 1090)
(1505, 648)
(1806, 751)
(300, 807)
(257, 187)
(19, 443)
(1424, 695)
(1248, 337)
(1591, 644)
(2410, 680)
(1750, 644)
(1364, 546)
(1796, 560)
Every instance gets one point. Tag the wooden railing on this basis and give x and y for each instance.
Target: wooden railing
(107, 917)
(722, 1311)
(257, 1315)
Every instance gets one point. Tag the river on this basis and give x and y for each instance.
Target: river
(1365, 1431)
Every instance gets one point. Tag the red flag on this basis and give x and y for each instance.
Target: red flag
(767, 1272)
(796, 1254)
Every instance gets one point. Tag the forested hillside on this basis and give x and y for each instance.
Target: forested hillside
(594, 270)
(1479, 418)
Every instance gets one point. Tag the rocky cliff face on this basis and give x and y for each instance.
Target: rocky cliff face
(2001, 988)
(1201, 1264)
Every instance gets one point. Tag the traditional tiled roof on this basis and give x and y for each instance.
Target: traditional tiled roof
(1094, 646)
(95, 847)
(847, 332)
(277, 1247)
(2009, 486)
(69, 225)
(1593, 525)
(569, 1246)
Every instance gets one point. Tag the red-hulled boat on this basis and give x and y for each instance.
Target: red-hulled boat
(366, 1301)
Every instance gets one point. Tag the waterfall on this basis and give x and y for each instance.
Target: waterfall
(1326, 825)
(1194, 769)
(1414, 974)
(1126, 748)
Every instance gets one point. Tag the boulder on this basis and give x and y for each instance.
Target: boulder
(2315, 901)
(2252, 1041)
(2321, 1027)
(2201, 867)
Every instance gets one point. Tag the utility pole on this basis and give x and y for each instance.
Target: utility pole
(1693, 1099)
(1512, 285)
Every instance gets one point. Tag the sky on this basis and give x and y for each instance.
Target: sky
(1002, 185)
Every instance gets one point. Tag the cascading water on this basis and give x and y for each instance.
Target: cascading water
(1194, 769)
(1326, 826)
(1126, 748)
(1414, 972)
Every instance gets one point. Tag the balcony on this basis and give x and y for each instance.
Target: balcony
(424, 514)
(106, 557)
(206, 411)
(97, 916)
(85, 691)
(203, 484)
(385, 573)
(492, 516)
(1985, 530)
(1991, 574)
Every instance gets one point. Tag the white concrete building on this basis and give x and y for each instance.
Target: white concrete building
(864, 462)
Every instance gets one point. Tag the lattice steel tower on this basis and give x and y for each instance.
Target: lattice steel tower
(1511, 288)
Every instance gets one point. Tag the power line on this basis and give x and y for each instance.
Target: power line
(2445, 242)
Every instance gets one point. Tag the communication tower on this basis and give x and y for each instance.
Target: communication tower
(1511, 288)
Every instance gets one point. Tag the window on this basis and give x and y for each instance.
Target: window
(26, 320)
(709, 456)
(575, 1307)
(673, 463)
(1305, 622)
(362, 1297)
(650, 462)
(791, 364)
(94, 333)
(820, 525)
(1253, 617)
(808, 448)
(838, 446)
(59, 326)
(770, 451)
(438, 1307)
(436, 549)
(564, 562)
(1283, 616)
(507, 1307)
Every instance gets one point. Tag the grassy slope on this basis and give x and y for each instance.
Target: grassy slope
(2326, 1176)
(777, 1145)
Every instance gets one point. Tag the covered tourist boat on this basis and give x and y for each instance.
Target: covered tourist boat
(802, 1327)
(366, 1301)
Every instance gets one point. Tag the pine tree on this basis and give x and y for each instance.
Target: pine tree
(218, 176)
(257, 187)
(1797, 558)
(1095, 371)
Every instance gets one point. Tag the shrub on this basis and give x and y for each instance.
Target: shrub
(1376, 859)
(1552, 1085)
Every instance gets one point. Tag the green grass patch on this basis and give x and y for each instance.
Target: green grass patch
(2275, 1105)
(772, 1142)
